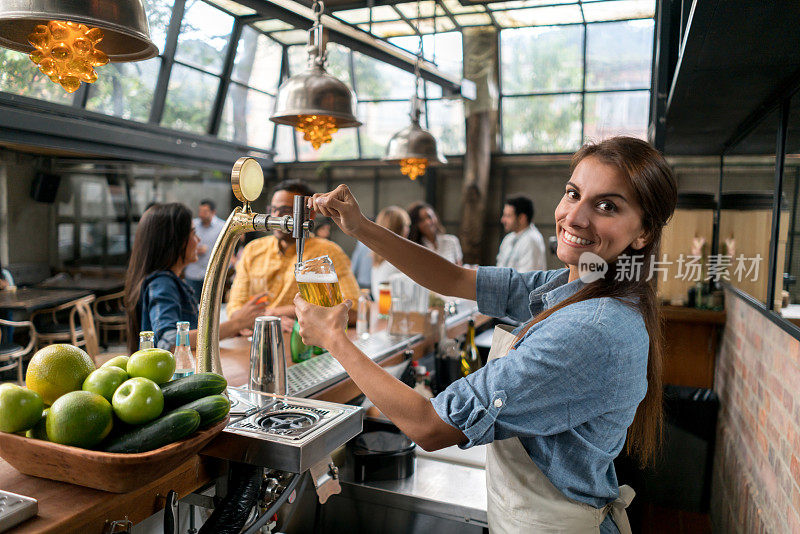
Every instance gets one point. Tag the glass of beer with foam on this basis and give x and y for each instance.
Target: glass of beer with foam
(317, 281)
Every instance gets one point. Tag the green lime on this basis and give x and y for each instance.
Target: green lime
(79, 418)
(117, 361)
(105, 381)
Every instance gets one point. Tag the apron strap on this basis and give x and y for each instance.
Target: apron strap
(617, 509)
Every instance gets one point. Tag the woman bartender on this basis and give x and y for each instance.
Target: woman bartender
(561, 394)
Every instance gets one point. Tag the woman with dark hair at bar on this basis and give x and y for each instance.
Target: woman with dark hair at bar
(427, 231)
(155, 295)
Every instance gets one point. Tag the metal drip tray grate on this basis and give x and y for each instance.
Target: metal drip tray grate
(285, 433)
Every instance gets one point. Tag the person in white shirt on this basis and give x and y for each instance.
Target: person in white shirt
(427, 231)
(207, 226)
(395, 219)
(523, 249)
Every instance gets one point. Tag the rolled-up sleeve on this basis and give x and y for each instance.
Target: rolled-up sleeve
(565, 372)
(504, 292)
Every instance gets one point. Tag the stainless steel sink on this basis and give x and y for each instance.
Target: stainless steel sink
(284, 433)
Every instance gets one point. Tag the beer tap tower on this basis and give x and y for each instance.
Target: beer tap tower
(247, 181)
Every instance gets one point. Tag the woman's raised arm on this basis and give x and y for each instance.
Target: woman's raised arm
(421, 264)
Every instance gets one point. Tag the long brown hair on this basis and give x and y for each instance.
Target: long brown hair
(415, 210)
(392, 218)
(161, 239)
(655, 190)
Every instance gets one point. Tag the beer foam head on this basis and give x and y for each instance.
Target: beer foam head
(317, 278)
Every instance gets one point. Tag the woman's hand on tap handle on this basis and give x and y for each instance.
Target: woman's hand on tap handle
(341, 206)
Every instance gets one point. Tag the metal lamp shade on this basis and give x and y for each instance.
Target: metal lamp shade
(315, 92)
(126, 36)
(414, 142)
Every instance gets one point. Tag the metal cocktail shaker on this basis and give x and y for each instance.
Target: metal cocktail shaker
(267, 365)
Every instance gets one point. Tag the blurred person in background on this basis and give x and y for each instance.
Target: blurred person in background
(361, 264)
(396, 219)
(427, 231)
(322, 228)
(155, 295)
(266, 267)
(207, 226)
(523, 247)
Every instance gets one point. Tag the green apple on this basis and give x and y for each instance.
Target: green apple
(156, 364)
(20, 408)
(117, 361)
(138, 401)
(39, 430)
(105, 381)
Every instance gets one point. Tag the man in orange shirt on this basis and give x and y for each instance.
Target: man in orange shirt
(267, 264)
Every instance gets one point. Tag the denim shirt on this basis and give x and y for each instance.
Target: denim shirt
(569, 389)
(165, 299)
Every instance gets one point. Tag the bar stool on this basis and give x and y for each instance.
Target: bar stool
(79, 330)
(110, 316)
(11, 354)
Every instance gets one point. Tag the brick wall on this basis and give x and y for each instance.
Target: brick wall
(756, 480)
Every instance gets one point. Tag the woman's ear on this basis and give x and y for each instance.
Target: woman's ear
(641, 241)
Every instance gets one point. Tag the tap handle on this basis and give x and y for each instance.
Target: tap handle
(301, 224)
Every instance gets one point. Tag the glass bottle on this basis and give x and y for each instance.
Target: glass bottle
(364, 312)
(184, 360)
(147, 339)
(300, 351)
(470, 357)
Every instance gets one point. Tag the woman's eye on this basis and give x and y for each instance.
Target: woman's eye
(605, 205)
(572, 194)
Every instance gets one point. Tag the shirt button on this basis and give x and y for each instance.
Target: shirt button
(498, 403)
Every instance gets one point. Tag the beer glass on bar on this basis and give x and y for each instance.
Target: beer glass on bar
(317, 281)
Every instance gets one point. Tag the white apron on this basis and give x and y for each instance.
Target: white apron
(522, 499)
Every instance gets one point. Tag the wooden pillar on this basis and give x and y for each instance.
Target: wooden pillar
(481, 66)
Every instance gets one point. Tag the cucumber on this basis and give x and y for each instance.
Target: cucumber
(212, 409)
(192, 387)
(163, 431)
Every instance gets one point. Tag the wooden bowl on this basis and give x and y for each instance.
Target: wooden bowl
(107, 471)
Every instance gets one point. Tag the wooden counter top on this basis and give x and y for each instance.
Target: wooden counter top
(683, 314)
(70, 508)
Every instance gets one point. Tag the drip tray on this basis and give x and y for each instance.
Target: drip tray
(284, 433)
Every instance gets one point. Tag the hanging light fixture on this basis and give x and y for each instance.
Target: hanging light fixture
(67, 40)
(412, 147)
(314, 102)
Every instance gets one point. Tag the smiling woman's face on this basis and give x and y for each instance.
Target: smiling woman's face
(598, 213)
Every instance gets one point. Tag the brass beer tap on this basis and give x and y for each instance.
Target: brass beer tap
(247, 181)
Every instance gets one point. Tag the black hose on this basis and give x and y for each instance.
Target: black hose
(230, 516)
(263, 518)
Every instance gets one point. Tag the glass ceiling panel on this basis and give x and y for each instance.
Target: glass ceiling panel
(125, 89)
(205, 32)
(187, 106)
(410, 9)
(443, 24)
(444, 49)
(619, 9)
(377, 81)
(518, 4)
(158, 14)
(244, 117)
(272, 25)
(474, 19)
(455, 7)
(361, 15)
(389, 29)
(538, 16)
(234, 7)
(291, 37)
(258, 61)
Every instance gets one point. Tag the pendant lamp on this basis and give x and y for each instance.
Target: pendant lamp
(412, 147)
(67, 40)
(314, 102)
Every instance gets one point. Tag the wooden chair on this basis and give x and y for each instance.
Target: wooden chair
(79, 329)
(11, 354)
(110, 316)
